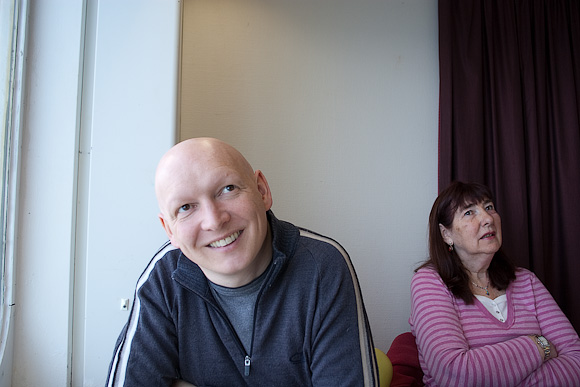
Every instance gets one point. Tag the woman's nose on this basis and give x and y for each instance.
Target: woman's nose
(486, 218)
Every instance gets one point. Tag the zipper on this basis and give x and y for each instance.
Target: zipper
(247, 358)
(247, 364)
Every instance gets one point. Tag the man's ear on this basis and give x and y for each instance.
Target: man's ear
(264, 189)
(445, 234)
(167, 230)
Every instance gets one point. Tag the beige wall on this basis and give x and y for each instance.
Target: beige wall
(336, 102)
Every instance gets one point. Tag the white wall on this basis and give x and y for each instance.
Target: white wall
(111, 128)
(129, 120)
(44, 255)
(336, 102)
(343, 122)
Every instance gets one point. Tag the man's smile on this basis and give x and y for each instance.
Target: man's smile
(226, 241)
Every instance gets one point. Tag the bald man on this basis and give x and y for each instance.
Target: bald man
(238, 297)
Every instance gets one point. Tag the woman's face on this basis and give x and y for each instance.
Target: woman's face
(475, 232)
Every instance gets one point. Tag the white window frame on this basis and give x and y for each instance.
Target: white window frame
(14, 16)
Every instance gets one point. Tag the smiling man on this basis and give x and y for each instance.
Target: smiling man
(213, 207)
(238, 297)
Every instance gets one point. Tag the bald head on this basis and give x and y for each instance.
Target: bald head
(199, 154)
(189, 161)
(213, 207)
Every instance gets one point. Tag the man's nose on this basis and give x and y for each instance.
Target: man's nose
(213, 216)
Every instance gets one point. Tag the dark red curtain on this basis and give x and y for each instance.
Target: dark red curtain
(509, 118)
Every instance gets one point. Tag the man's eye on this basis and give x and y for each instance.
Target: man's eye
(184, 208)
(229, 188)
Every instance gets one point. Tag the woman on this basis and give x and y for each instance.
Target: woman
(477, 319)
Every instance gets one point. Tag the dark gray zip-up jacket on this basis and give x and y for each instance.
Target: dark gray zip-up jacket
(310, 324)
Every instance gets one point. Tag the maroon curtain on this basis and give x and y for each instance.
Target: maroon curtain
(509, 118)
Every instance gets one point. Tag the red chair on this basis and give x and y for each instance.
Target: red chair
(404, 357)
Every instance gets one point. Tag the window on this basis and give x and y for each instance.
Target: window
(12, 17)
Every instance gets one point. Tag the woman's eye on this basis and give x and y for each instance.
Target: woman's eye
(490, 207)
(468, 212)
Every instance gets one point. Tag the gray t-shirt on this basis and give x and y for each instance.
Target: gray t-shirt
(239, 304)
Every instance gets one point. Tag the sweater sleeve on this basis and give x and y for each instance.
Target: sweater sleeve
(146, 351)
(342, 347)
(563, 370)
(444, 352)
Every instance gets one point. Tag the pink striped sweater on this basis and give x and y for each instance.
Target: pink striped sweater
(464, 345)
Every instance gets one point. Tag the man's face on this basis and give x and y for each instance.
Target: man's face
(214, 209)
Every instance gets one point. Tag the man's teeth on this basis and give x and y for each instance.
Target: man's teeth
(226, 241)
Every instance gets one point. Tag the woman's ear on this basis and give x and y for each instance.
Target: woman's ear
(445, 234)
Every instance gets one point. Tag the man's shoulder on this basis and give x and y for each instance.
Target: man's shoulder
(322, 241)
(163, 262)
(306, 247)
(166, 255)
(322, 249)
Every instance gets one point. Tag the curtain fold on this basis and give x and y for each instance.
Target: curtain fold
(510, 118)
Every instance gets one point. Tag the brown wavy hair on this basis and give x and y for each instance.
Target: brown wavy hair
(501, 270)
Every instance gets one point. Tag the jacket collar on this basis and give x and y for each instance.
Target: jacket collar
(284, 241)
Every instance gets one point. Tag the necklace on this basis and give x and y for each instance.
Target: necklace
(482, 287)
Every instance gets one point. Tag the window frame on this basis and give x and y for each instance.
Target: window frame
(9, 173)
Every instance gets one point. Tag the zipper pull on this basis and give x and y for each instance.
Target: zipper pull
(247, 363)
